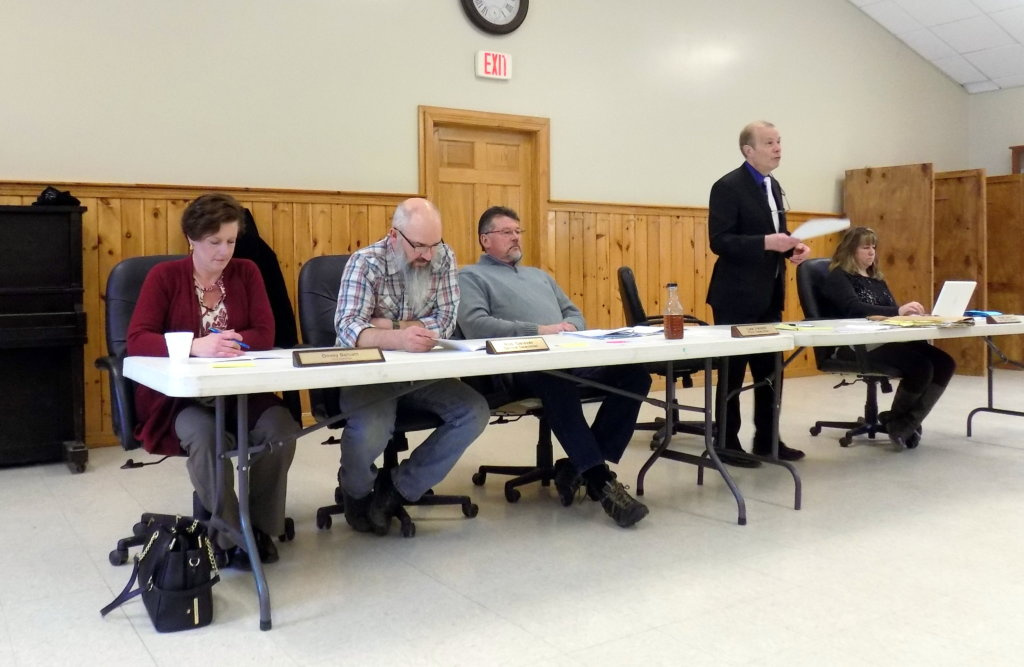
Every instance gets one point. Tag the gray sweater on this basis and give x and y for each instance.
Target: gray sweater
(500, 300)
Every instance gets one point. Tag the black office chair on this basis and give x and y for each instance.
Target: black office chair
(123, 287)
(810, 277)
(509, 404)
(319, 282)
(636, 315)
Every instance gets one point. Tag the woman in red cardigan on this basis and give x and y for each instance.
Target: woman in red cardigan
(207, 291)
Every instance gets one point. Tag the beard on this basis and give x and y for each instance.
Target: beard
(418, 281)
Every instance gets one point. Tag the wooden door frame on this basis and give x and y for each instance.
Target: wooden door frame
(431, 118)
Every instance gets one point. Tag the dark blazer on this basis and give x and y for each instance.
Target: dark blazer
(744, 286)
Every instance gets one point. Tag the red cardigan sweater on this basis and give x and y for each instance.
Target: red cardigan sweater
(168, 302)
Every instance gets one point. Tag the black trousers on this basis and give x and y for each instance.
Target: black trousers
(761, 368)
(919, 363)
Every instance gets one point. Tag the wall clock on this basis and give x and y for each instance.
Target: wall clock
(498, 17)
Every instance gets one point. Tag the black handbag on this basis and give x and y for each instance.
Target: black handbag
(176, 571)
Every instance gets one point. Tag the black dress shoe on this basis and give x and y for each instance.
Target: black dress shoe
(728, 455)
(266, 548)
(785, 453)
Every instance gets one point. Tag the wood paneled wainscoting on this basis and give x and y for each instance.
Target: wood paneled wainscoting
(582, 244)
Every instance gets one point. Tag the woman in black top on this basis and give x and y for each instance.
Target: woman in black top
(855, 287)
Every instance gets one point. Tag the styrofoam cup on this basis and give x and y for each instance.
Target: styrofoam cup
(179, 344)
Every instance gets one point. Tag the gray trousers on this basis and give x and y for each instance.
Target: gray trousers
(372, 410)
(268, 475)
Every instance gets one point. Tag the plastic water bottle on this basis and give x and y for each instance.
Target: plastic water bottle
(673, 319)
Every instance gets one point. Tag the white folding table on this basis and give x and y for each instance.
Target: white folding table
(273, 371)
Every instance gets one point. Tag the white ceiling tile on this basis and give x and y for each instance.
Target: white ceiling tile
(999, 62)
(927, 44)
(1010, 81)
(958, 69)
(1012, 21)
(977, 43)
(989, 6)
(891, 16)
(980, 87)
(974, 34)
(934, 12)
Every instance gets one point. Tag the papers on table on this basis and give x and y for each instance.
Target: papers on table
(857, 327)
(463, 345)
(819, 227)
(609, 334)
(928, 321)
(801, 326)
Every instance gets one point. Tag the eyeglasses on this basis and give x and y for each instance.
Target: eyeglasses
(421, 247)
(785, 200)
(507, 233)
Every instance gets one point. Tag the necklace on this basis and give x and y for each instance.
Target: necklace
(205, 290)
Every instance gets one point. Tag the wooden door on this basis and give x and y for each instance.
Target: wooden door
(472, 160)
(961, 253)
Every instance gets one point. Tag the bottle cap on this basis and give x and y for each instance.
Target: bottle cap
(670, 285)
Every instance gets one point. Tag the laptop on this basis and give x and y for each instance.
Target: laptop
(953, 298)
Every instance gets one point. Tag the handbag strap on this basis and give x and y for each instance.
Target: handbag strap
(126, 594)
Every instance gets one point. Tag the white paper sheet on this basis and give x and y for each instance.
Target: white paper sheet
(819, 227)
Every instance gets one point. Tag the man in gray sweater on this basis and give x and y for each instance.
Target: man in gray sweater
(502, 298)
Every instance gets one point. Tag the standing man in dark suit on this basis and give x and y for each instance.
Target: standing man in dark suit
(747, 230)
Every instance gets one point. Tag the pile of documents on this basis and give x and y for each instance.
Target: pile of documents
(928, 321)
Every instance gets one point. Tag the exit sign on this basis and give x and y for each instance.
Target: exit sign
(493, 65)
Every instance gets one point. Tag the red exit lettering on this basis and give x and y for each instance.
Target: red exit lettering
(495, 64)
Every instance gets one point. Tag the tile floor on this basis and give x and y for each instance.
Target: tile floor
(909, 558)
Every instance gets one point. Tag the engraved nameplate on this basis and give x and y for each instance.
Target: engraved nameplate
(514, 345)
(752, 330)
(1002, 319)
(336, 356)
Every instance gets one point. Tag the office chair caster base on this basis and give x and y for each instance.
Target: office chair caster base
(479, 478)
(845, 441)
(323, 519)
(118, 557)
(470, 510)
(408, 527)
(815, 430)
(512, 494)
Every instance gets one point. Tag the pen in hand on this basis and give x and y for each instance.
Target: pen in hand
(240, 343)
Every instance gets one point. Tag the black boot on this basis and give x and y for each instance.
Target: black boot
(386, 502)
(357, 512)
(925, 402)
(898, 421)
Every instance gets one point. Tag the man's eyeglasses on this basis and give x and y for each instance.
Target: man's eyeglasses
(507, 233)
(785, 200)
(421, 247)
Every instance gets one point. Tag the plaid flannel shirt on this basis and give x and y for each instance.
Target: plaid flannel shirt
(373, 287)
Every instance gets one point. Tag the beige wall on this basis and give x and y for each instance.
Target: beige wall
(997, 122)
(645, 98)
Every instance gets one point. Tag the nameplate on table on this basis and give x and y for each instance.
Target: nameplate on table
(1002, 319)
(336, 356)
(753, 330)
(515, 345)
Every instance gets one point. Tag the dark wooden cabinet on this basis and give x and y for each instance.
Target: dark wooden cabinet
(42, 336)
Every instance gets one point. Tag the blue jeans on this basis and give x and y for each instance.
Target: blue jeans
(371, 413)
(606, 439)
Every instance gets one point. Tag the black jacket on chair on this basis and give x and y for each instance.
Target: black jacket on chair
(251, 246)
(738, 221)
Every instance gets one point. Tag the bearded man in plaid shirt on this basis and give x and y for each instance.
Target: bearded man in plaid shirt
(401, 293)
